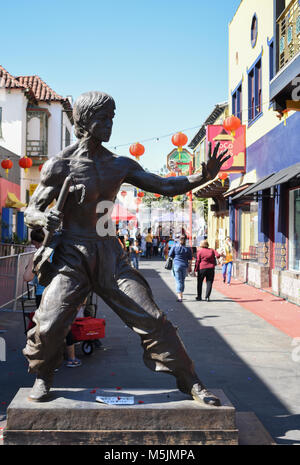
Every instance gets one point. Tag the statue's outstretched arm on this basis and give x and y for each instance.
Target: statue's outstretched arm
(176, 185)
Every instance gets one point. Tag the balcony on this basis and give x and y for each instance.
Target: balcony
(289, 33)
(287, 57)
(36, 150)
(37, 134)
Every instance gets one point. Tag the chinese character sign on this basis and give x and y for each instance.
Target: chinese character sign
(236, 147)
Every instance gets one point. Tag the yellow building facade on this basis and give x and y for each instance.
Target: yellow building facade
(264, 215)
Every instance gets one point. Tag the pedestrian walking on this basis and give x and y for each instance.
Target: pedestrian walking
(227, 253)
(138, 236)
(205, 268)
(155, 246)
(182, 257)
(37, 237)
(149, 240)
(135, 252)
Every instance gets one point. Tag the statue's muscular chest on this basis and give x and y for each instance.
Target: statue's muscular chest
(101, 179)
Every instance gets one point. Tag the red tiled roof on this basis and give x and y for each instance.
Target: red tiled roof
(43, 92)
(40, 89)
(7, 80)
(36, 88)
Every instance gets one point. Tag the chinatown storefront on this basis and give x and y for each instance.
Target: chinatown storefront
(265, 219)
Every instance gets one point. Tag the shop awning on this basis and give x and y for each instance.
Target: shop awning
(212, 188)
(271, 180)
(12, 201)
(237, 190)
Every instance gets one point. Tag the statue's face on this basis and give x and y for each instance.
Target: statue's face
(100, 125)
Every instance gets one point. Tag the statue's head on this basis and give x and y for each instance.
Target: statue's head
(93, 113)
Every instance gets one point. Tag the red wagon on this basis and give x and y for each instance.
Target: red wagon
(88, 330)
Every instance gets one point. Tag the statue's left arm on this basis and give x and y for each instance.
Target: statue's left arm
(172, 186)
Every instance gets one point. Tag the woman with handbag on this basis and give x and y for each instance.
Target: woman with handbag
(205, 267)
(182, 257)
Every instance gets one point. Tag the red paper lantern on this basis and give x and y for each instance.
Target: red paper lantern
(25, 163)
(137, 150)
(157, 196)
(123, 193)
(179, 139)
(232, 124)
(7, 164)
(40, 167)
(141, 194)
(223, 177)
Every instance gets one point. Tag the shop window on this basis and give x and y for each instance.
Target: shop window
(294, 230)
(249, 232)
(255, 91)
(237, 103)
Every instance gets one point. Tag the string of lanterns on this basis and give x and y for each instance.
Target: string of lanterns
(282, 114)
(24, 162)
(230, 124)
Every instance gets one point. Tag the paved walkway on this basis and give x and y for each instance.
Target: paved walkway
(275, 310)
(234, 349)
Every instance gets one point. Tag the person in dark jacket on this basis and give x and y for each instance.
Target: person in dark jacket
(181, 255)
(205, 267)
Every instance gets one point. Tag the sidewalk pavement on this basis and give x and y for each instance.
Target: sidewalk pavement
(240, 342)
(278, 312)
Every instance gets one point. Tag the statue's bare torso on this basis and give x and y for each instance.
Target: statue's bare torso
(101, 175)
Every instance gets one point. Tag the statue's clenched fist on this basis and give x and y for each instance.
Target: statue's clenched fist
(53, 219)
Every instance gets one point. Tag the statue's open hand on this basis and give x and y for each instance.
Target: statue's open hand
(214, 163)
(53, 219)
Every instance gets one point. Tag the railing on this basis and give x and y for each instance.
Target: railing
(12, 269)
(289, 33)
(36, 148)
(7, 249)
(250, 255)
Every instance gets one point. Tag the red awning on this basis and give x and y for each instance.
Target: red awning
(121, 213)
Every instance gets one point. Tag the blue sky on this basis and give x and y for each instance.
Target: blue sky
(164, 61)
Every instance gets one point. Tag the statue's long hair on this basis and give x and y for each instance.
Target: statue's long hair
(85, 106)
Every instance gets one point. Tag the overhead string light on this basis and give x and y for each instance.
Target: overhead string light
(244, 121)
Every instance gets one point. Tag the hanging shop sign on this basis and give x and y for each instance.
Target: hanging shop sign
(179, 161)
(236, 146)
(32, 188)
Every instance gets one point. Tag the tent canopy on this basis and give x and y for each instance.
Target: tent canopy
(120, 213)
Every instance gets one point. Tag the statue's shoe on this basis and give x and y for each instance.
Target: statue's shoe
(40, 391)
(199, 393)
(203, 396)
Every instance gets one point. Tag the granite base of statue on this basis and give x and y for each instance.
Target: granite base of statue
(130, 416)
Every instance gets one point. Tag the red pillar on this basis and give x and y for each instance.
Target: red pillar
(190, 195)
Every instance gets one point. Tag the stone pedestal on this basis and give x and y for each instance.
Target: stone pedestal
(158, 417)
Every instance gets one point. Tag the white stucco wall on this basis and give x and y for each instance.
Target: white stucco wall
(54, 127)
(13, 104)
